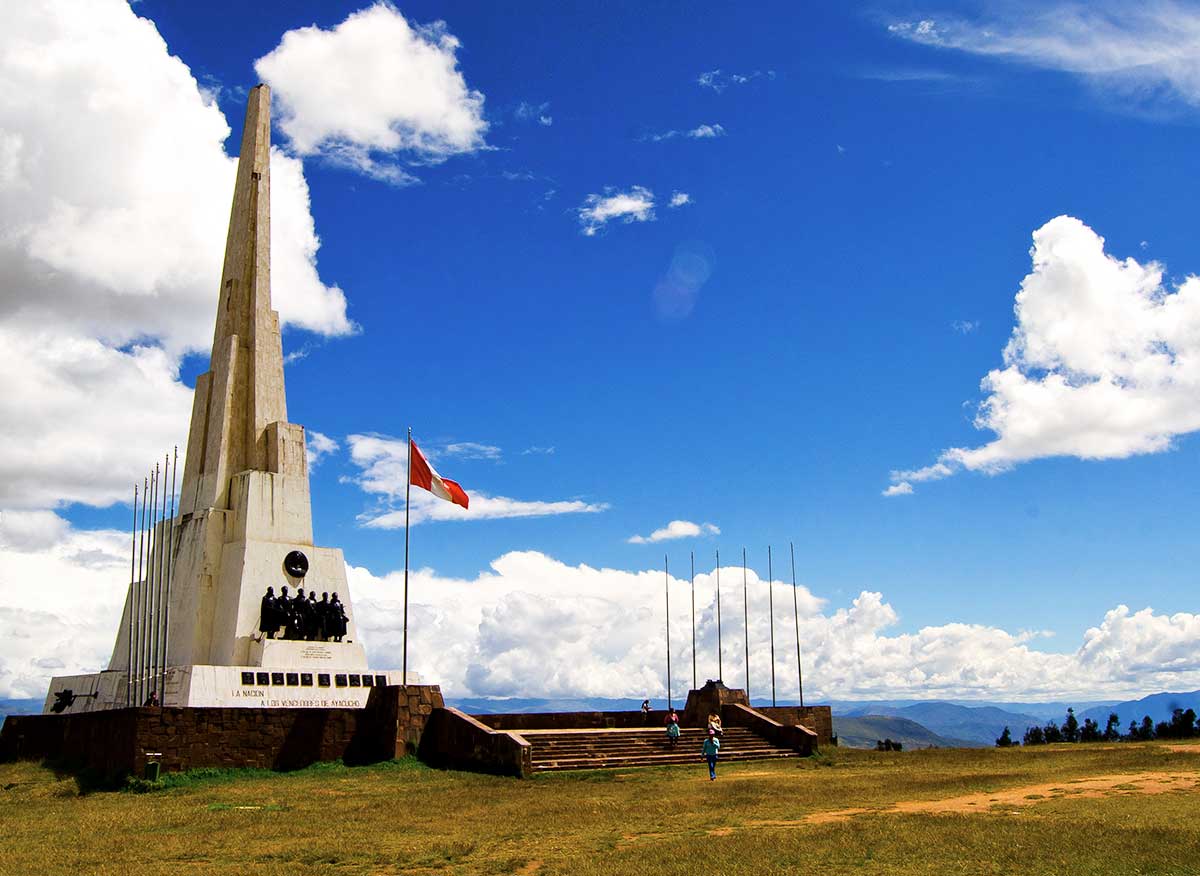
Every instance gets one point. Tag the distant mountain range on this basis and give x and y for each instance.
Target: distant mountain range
(865, 731)
(1158, 706)
(979, 725)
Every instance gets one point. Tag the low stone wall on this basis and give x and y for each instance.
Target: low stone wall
(818, 719)
(573, 720)
(794, 736)
(116, 742)
(457, 741)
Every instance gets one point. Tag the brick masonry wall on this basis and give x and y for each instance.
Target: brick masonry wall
(115, 742)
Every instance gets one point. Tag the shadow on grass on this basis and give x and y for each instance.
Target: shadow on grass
(89, 780)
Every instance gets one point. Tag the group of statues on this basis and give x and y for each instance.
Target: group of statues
(301, 617)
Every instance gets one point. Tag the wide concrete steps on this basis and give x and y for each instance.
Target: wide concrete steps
(607, 749)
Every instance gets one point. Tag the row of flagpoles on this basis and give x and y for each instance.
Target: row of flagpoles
(150, 573)
(746, 621)
(422, 474)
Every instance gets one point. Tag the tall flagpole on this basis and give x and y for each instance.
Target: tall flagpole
(132, 582)
(166, 636)
(667, 594)
(137, 646)
(796, 609)
(407, 506)
(720, 669)
(694, 677)
(771, 603)
(746, 617)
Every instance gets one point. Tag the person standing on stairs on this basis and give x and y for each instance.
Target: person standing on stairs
(672, 728)
(712, 745)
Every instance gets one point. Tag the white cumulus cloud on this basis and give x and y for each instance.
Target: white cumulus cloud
(383, 466)
(676, 529)
(373, 89)
(1103, 363)
(680, 199)
(114, 204)
(700, 132)
(318, 446)
(634, 205)
(530, 625)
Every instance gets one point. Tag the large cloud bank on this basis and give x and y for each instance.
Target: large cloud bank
(533, 626)
(114, 201)
(1103, 363)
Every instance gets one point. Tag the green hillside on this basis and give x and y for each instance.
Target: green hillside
(865, 731)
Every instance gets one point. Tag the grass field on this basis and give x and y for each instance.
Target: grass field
(1077, 809)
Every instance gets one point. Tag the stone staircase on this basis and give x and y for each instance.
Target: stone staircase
(633, 747)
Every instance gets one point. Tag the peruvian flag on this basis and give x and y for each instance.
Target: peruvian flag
(422, 474)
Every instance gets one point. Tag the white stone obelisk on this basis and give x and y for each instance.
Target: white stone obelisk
(244, 502)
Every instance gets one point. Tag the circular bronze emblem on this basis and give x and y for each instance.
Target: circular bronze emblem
(296, 564)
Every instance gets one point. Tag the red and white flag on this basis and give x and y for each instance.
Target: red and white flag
(422, 474)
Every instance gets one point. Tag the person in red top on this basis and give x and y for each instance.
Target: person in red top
(673, 728)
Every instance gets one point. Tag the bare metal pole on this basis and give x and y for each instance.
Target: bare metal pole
(746, 617)
(407, 506)
(137, 689)
(771, 603)
(166, 635)
(130, 602)
(667, 594)
(148, 589)
(720, 669)
(796, 610)
(162, 574)
(695, 684)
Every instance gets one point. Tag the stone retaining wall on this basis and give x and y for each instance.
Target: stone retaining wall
(818, 719)
(572, 720)
(116, 742)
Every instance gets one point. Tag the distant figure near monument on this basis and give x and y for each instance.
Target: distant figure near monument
(243, 522)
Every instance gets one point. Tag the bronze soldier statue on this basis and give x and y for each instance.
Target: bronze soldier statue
(268, 615)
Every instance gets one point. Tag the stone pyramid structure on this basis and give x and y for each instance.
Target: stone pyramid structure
(244, 507)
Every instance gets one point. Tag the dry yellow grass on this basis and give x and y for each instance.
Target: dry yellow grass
(1055, 810)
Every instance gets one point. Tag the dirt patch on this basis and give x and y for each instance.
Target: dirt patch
(1186, 749)
(529, 868)
(1099, 786)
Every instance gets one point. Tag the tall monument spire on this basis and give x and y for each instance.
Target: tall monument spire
(242, 394)
(244, 530)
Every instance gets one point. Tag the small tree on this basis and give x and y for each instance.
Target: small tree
(1112, 730)
(1034, 736)
(1005, 739)
(1070, 727)
(1052, 733)
(1090, 731)
(1141, 732)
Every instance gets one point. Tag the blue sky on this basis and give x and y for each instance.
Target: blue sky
(858, 223)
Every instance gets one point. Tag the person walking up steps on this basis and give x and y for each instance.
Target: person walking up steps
(712, 745)
(673, 728)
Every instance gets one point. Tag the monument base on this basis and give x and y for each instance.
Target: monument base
(281, 686)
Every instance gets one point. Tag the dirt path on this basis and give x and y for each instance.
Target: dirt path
(1119, 784)
(1098, 786)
